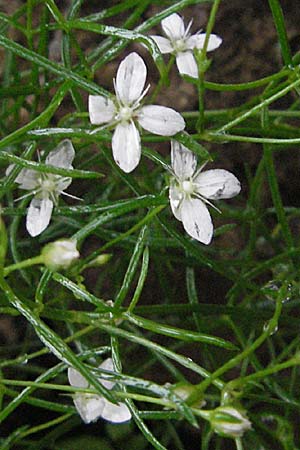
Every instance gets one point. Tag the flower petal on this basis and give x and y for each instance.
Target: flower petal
(176, 198)
(173, 27)
(62, 183)
(101, 109)
(217, 183)
(76, 379)
(183, 161)
(131, 77)
(126, 146)
(196, 220)
(27, 178)
(115, 413)
(197, 41)
(163, 44)
(186, 64)
(107, 364)
(62, 156)
(38, 215)
(90, 407)
(160, 120)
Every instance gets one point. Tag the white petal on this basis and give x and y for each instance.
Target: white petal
(27, 178)
(217, 183)
(38, 215)
(116, 413)
(196, 220)
(186, 64)
(173, 27)
(107, 365)
(163, 44)
(160, 120)
(176, 198)
(62, 156)
(131, 77)
(62, 183)
(126, 146)
(76, 379)
(183, 161)
(90, 407)
(197, 41)
(101, 109)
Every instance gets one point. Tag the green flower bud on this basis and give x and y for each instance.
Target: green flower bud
(60, 254)
(184, 390)
(100, 260)
(229, 421)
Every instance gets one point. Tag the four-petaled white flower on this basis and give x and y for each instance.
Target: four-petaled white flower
(92, 406)
(190, 190)
(46, 187)
(126, 109)
(181, 43)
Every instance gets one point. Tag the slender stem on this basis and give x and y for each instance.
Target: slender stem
(238, 443)
(233, 362)
(258, 107)
(274, 188)
(22, 264)
(203, 66)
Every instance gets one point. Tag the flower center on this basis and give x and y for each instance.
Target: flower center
(187, 187)
(48, 185)
(179, 45)
(125, 113)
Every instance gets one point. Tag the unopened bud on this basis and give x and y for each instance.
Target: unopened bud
(60, 254)
(184, 391)
(229, 421)
(100, 260)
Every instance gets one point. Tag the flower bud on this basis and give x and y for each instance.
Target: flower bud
(100, 260)
(184, 390)
(229, 421)
(60, 254)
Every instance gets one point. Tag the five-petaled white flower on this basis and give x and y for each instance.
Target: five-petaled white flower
(46, 187)
(190, 190)
(181, 43)
(92, 406)
(126, 109)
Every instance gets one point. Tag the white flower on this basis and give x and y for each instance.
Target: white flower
(92, 406)
(229, 421)
(46, 187)
(126, 109)
(181, 43)
(190, 190)
(60, 254)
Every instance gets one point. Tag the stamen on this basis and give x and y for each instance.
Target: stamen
(138, 101)
(70, 195)
(200, 169)
(205, 200)
(27, 195)
(186, 33)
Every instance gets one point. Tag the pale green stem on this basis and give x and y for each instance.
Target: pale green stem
(23, 264)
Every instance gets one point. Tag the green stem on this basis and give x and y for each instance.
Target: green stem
(203, 66)
(210, 24)
(258, 107)
(233, 362)
(295, 361)
(281, 31)
(274, 188)
(238, 443)
(22, 264)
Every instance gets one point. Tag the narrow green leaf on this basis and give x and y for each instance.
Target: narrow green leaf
(177, 333)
